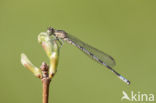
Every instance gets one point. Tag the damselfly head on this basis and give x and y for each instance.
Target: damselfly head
(51, 31)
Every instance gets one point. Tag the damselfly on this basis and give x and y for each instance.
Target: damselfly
(92, 52)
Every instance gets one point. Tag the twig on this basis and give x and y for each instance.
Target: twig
(45, 82)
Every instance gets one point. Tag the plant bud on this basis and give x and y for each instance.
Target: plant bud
(27, 64)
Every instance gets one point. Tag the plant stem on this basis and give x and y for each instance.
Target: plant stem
(45, 83)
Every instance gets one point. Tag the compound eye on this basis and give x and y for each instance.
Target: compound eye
(51, 31)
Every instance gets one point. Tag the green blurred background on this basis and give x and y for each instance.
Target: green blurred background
(125, 29)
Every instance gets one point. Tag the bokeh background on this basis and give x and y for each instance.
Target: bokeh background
(125, 29)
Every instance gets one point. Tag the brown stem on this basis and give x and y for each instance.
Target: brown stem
(45, 83)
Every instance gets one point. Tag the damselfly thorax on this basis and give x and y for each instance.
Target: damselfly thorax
(60, 34)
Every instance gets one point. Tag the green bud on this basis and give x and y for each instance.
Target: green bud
(27, 63)
(46, 43)
(51, 47)
(54, 59)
